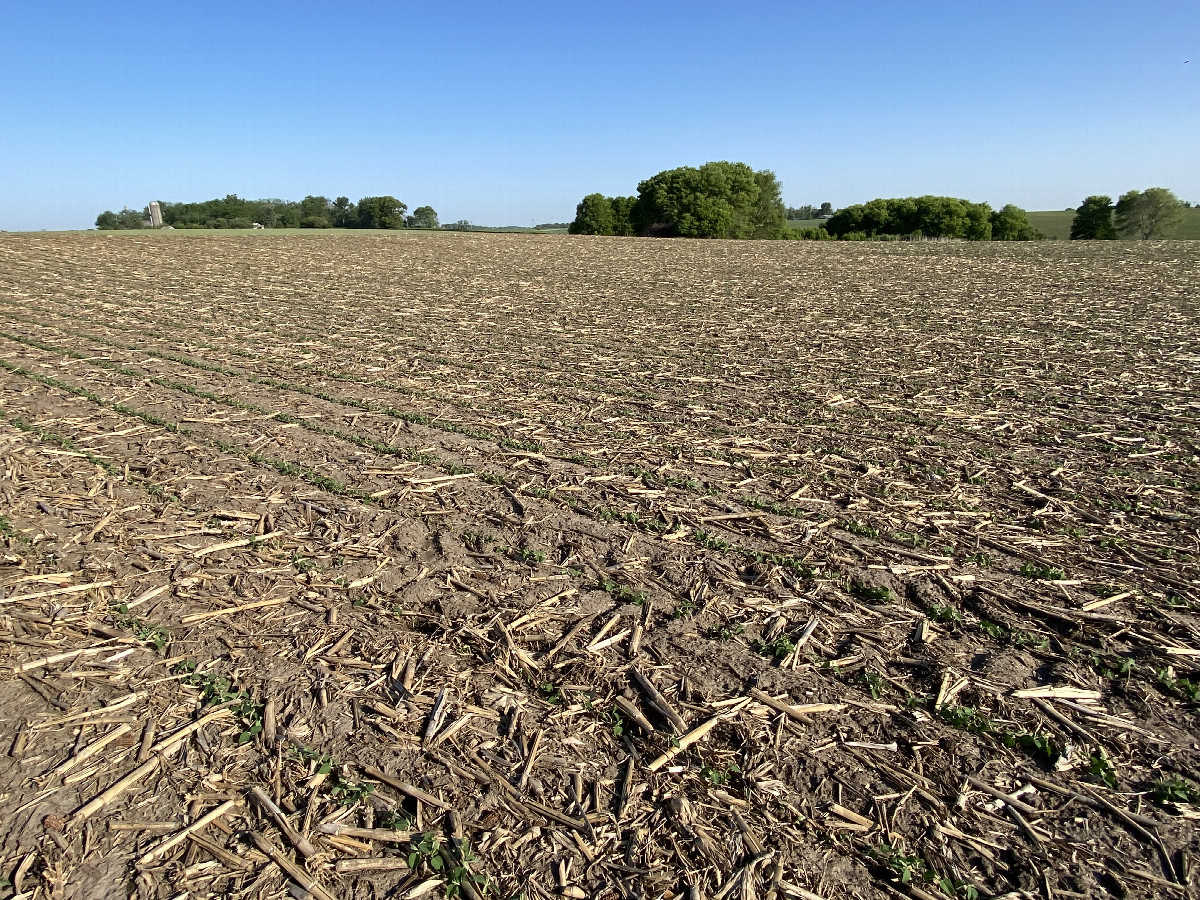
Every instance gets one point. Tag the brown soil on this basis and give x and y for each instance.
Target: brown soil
(597, 567)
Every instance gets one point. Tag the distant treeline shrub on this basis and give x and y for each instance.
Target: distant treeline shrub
(122, 221)
(808, 234)
(930, 216)
(311, 212)
(809, 211)
(731, 200)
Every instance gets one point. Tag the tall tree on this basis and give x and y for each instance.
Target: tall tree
(315, 212)
(381, 212)
(979, 221)
(423, 217)
(1011, 223)
(1094, 220)
(717, 200)
(593, 215)
(770, 217)
(344, 213)
(942, 217)
(1152, 213)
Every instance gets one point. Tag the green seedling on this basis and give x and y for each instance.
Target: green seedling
(1042, 573)
(993, 630)
(859, 528)
(704, 539)
(684, 609)
(323, 763)
(869, 592)
(965, 718)
(779, 648)
(724, 633)
(1175, 790)
(945, 614)
(1036, 745)
(216, 690)
(531, 558)
(349, 793)
(875, 683)
(1100, 767)
(154, 635)
(719, 776)
(906, 865)
(621, 593)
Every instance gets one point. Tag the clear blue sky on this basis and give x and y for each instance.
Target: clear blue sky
(506, 113)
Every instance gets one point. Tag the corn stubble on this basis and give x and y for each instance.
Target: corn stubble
(497, 566)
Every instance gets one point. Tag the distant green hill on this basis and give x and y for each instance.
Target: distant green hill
(1057, 224)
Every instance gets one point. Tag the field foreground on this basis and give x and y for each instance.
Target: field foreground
(367, 566)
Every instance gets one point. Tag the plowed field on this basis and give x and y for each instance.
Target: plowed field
(360, 566)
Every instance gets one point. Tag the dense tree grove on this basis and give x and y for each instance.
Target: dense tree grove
(930, 216)
(311, 212)
(716, 200)
(126, 219)
(597, 214)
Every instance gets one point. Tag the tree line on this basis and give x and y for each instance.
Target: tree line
(731, 200)
(1148, 214)
(931, 217)
(311, 212)
(808, 211)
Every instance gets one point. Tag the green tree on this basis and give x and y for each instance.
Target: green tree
(345, 214)
(1010, 223)
(942, 217)
(1094, 220)
(593, 215)
(770, 218)
(979, 221)
(717, 200)
(874, 217)
(1152, 213)
(381, 212)
(313, 208)
(423, 217)
(846, 220)
(288, 215)
(622, 215)
(126, 220)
